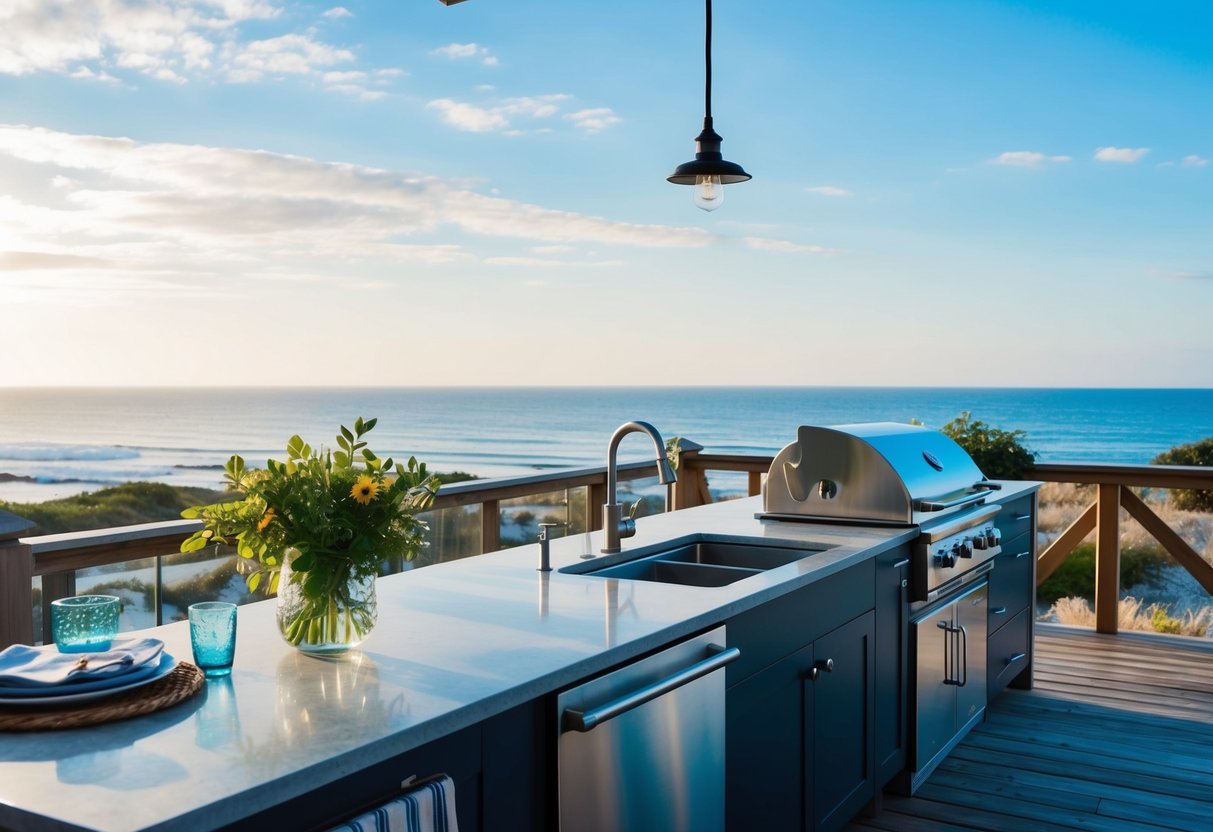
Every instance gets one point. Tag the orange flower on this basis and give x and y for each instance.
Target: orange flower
(365, 489)
(265, 520)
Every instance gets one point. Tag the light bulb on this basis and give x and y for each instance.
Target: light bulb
(709, 193)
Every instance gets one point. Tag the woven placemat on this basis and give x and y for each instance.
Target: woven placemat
(180, 684)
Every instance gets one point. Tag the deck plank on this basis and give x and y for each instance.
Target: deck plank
(1116, 736)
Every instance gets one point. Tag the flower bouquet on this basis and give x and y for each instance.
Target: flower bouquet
(317, 527)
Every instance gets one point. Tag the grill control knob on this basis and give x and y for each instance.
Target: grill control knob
(945, 558)
(963, 549)
(979, 542)
(993, 536)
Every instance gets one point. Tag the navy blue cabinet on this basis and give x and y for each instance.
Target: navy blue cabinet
(892, 669)
(799, 739)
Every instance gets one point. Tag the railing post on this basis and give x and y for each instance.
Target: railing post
(490, 526)
(1107, 559)
(16, 582)
(595, 497)
(691, 486)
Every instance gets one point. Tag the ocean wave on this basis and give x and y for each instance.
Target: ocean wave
(32, 452)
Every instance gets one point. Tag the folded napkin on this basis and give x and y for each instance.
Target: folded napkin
(44, 668)
(426, 808)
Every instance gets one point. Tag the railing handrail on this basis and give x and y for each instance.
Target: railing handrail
(1135, 476)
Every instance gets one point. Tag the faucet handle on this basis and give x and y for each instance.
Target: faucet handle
(635, 506)
(545, 553)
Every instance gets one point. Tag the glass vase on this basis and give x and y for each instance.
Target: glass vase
(330, 624)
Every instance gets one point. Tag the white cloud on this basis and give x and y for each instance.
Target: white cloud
(1026, 158)
(785, 247)
(171, 41)
(1120, 155)
(288, 54)
(828, 190)
(473, 118)
(594, 119)
(540, 263)
(468, 117)
(1195, 161)
(463, 51)
(153, 37)
(162, 216)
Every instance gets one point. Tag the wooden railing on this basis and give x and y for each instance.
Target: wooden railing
(56, 558)
(1113, 492)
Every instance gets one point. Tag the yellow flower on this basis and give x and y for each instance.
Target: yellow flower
(365, 489)
(265, 520)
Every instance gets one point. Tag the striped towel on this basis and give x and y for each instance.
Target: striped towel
(427, 808)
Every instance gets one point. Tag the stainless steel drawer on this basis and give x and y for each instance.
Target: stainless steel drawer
(1016, 517)
(1008, 652)
(1013, 581)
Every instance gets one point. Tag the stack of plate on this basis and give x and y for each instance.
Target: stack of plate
(44, 677)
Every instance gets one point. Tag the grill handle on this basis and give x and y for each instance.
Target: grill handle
(940, 505)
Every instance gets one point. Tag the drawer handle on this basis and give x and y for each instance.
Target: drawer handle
(586, 720)
(1023, 517)
(999, 611)
(901, 563)
(1016, 658)
(1022, 554)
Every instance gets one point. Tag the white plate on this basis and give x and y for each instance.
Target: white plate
(167, 663)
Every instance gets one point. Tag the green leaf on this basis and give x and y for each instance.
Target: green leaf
(345, 433)
(194, 543)
(254, 581)
(369, 455)
(368, 425)
(342, 459)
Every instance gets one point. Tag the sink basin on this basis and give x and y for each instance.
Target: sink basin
(706, 563)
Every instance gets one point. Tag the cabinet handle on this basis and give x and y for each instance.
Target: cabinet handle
(999, 611)
(901, 563)
(819, 667)
(1023, 517)
(585, 720)
(1016, 658)
(1022, 554)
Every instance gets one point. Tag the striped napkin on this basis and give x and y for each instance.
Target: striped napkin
(426, 808)
(45, 668)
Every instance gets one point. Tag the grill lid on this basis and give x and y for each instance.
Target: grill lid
(880, 472)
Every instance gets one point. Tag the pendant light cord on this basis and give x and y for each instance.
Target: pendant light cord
(707, 51)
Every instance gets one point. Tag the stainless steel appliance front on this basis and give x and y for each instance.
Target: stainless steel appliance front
(949, 643)
(643, 747)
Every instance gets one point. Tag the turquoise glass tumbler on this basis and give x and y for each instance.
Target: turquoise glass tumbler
(213, 636)
(85, 623)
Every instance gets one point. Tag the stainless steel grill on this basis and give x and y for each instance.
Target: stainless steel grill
(881, 472)
(884, 473)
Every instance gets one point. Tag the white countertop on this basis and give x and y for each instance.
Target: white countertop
(456, 643)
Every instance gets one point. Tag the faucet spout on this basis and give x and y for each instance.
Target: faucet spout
(614, 525)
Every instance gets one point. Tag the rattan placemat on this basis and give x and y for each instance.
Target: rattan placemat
(180, 684)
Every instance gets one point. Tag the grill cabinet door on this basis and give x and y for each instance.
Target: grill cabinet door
(935, 701)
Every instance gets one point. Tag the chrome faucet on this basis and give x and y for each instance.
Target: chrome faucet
(614, 524)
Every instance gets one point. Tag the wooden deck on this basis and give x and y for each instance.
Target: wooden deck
(1116, 735)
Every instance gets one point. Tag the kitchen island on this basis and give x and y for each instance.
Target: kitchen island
(456, 677)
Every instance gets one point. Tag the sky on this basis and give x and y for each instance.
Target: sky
(272, 192)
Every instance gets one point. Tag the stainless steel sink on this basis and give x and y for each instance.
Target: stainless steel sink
(705, 563)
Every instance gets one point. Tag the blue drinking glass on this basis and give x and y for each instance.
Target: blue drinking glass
(85, 623)
(213, 636)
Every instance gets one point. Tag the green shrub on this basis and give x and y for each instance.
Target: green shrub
(1196, 453)
(1075, 577)
(1000, 454)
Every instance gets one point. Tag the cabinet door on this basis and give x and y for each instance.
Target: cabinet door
(892, 650)
(764, 738)
(839, 713)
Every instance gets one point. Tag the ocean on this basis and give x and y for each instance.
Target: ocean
(56, 442)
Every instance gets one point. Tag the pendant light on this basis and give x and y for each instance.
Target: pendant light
(708, 172)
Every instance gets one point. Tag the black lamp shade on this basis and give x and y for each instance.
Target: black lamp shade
(708, 162)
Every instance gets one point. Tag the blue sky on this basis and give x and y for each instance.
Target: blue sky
(209, 192)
